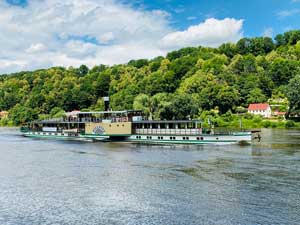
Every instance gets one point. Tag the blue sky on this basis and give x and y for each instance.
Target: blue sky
(258, 15)
(43, 33)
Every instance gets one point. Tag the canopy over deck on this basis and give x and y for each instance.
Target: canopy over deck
(111, 112)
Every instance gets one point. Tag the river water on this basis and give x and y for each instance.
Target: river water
(64, 182)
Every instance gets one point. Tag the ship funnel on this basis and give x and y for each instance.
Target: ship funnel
(106, 103)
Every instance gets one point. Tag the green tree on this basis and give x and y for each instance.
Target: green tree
(83, 70)
(20, 114)
(143, 102)
(293, 95)
(256, 96)
(282, 70)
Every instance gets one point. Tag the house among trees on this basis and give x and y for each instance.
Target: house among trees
(72, 115)
(277, 113)
(3, 114)
(262, 109)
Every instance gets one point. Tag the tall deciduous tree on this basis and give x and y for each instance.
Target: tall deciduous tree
(293, 94)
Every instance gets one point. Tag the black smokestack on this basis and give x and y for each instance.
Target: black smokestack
(106, 103)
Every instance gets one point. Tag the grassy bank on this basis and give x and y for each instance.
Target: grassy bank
(247, 121)
(5, 122)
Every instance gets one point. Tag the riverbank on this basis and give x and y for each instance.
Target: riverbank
(246, 121)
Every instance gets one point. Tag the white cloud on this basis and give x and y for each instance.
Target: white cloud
(73, 32)
(288, 13)
(268, 32)
(38, 47)
(104, 38)
(212, 32)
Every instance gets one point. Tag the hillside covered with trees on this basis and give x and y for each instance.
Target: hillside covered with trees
(187, 83)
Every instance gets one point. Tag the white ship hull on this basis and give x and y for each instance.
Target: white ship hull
(244, 137)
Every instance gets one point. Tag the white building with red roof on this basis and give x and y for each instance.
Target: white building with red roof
(73, 114)
(262, 109)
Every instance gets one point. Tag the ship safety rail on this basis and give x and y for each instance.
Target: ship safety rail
(170, 131)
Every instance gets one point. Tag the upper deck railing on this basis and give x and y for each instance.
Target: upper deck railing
(169, 131)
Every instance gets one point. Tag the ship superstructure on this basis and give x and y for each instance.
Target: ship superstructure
(130, 126)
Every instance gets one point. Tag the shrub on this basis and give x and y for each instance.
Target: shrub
(266, 123)
(257, 119)
(4, 122)
(248, 116)
(227, 117)
(273, 124)
(289, 124)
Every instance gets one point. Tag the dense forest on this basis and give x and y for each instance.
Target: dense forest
(187, 83)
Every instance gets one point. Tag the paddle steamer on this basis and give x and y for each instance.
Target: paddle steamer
(130, 126)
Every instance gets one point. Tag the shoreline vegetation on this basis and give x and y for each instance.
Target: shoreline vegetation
(211, 84)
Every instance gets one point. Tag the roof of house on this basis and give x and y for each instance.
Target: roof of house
(279, 113)
(3, 113)
(258, 106)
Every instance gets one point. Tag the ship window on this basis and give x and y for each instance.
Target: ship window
(162, 125)
(217, 138)
(123, 125)
(171, 138)
(174, 138)
(183, 138)
(201, 138)
(187, 138)
(109, 125)
(118, 125)
(137, 137)
(161, 137)
(198, 138)
(154, 126)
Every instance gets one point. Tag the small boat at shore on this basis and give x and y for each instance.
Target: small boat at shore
(131, 126)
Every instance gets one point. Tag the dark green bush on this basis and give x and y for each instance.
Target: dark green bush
(289, 124)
